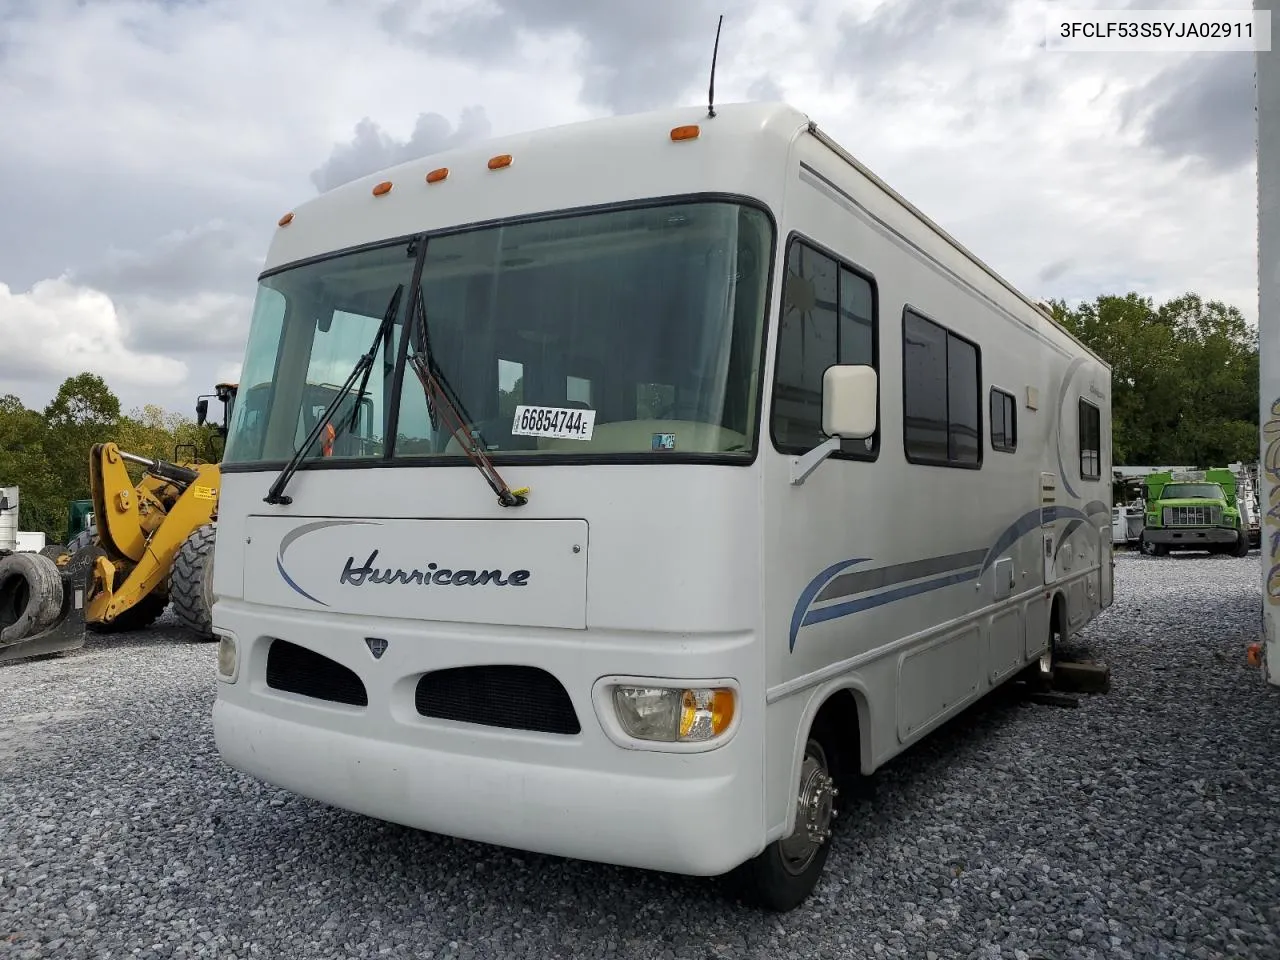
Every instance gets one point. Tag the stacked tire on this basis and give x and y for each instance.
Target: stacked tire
(30, 595)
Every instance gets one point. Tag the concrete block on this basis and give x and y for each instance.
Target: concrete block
(1083, 676)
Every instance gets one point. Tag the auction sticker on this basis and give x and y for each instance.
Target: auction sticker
(558, 422)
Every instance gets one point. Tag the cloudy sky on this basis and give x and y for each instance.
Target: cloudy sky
(149, 146)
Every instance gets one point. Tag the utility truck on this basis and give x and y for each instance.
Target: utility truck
(1194, 510)
(614, 570)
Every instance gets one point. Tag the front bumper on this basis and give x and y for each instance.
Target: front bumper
(582, 796)
(1190, 536)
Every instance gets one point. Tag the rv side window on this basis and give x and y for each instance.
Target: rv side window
(1004, 421)
(827, 317)
(1090, 441)
(940, 395)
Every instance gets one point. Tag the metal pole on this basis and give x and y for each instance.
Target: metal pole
(1268, 102)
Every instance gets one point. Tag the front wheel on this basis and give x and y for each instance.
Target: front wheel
(785, 873)
(1242, 544)
(191, 581)
(1152, 549)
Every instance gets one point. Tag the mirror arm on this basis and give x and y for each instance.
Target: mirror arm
(805, 464)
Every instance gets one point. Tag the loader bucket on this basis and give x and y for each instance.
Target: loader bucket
(67, 631)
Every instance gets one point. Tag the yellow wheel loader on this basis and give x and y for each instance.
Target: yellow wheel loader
(152, 544)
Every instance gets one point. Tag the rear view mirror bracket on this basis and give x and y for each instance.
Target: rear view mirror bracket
(806, 463)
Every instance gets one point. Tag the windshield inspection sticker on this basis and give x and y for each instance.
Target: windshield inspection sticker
(558, 422)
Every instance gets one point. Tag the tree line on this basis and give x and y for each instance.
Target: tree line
(1184, 391)
(1184, 377)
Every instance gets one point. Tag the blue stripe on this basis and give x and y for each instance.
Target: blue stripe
(811, 591)
(802, 616)
(1019, 529)
(875, 600)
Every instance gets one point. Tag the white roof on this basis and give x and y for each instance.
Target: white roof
(581, 164)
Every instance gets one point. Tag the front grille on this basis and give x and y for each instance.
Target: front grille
(296, 669)
(504, 695)
(1192, 516)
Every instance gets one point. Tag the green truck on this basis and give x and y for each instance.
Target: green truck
(1198, 510)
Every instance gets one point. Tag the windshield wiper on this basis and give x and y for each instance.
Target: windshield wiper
(361, 369)
(443, 399)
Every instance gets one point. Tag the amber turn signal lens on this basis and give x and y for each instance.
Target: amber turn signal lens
(689, 132)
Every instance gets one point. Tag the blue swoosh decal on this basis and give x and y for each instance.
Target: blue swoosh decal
(838, 610)
(802, 616)
(290, 581)
(1062, 397)
(302, 530)
(811, 591)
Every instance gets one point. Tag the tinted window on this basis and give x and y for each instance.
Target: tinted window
(827, 317)
(941, 418)
(1090, 441)
(1004, 421)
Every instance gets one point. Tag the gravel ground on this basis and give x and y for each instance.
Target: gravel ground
(1145, 823)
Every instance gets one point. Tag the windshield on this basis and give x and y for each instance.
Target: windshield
(635, 331)
(310, 326)
(1192, 491)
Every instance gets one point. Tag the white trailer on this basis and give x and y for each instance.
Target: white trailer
(30, 541)
(704, 361)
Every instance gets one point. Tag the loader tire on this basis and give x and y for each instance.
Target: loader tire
(53, 551)
(30, 595)
(191, 581)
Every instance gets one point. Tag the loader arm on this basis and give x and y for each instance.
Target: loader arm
(141, 527)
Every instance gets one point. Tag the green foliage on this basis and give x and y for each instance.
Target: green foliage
(1184, 377)
(46, 453)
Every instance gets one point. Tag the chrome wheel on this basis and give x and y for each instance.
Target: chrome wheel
(815, 810)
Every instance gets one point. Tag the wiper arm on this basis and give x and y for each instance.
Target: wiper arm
(443, 399)
(363, 366)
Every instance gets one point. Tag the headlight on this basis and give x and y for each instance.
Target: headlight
(226, 657)
(674, 715)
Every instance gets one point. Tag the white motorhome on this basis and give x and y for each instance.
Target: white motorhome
(633, 586)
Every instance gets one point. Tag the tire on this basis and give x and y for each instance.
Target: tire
(191, 581)
(1241, 548)
(1152, 549)
(785, 873)
(30, 595)
(53, 551)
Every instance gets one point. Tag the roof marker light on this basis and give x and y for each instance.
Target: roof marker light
(382, 189)
(435, 176)
(286, 219)
(502, 160)
(689, 132)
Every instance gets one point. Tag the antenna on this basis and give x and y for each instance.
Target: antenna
(711, 90)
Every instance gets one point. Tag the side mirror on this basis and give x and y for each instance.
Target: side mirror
(849, 396)
(202, 411)
(849, 402)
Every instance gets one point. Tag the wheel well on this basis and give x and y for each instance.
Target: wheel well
(839, 715)
(1058, 618)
